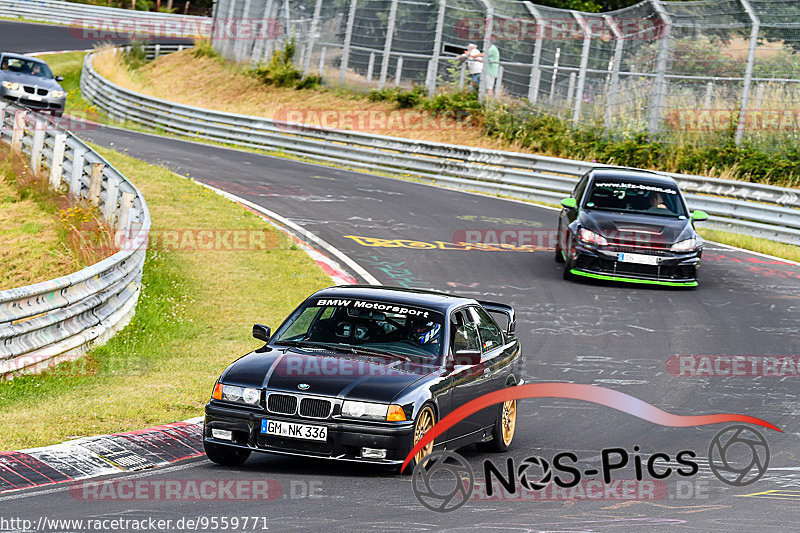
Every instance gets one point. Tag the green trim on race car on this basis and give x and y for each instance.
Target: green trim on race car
(633, 280)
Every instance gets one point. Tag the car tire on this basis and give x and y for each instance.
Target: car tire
(568, 264)
(426, 419)
(225, 455)
(504, 428)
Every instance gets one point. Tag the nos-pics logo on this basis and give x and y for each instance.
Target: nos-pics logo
(444, 481)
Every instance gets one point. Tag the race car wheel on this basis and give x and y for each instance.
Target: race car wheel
(225, 455)
(504, 427)
(425, 421)
(568, 264)
(559, 252)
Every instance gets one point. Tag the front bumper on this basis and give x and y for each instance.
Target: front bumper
(674, 269)
(345, 438)
(42, 103)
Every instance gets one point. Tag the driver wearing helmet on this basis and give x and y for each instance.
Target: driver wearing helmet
(425, 333)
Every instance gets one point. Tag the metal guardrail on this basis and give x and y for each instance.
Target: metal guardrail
(60, 319)
(107, 22)
(740, 207)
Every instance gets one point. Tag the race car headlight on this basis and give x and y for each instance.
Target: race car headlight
(11, 86)
(685, 246)
(57, 94)
(373, 411)
(591, 237)
(232, 393)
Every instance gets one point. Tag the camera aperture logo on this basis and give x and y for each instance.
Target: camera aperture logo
(738, 455)
(443, 481)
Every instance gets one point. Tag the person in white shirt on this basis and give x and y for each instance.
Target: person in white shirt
(474, 59)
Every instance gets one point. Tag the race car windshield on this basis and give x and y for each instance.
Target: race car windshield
(381, 327)
(635, 197)
(24, 66)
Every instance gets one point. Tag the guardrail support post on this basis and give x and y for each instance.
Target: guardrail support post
(433, 65)
(348, 37)
(125, 205)
(587, 43)
(536, 74)
(660, 86)
(110, 203)
(75, 183)
(312, 37)
(95, 183)
(19, 131)
(387, 45)
(37, 146)
(748, 72)
(57, 165)
(613, 86)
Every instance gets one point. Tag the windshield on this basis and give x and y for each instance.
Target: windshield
(634, 197)
(25, 66)
(368, 325)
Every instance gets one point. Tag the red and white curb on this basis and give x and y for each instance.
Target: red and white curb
(90, 457)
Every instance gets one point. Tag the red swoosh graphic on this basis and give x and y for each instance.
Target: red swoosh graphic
(588, 393)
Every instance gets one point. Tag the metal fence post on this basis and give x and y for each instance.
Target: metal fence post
(398, 73)
(19, 131)
(462, 77)
(322, 60)
(709, 95)
(555, 74)
(613, 86)
(75, 182)
(587, 43)
(387, 46)
(660, 87)
(487, 42)
(312, 37)
(226, 48)
(348, 37)
(370, 66)
(238, 47)
(433, 65)
(95, 183)
(287, 27)
(57, 166)
(260, 41)
(570, 89)
(37, 146)
(748, 72)
(536, 74)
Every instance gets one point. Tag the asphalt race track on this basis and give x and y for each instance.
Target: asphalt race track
(616, 336)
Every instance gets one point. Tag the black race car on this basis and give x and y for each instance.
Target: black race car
(629, 225)
(362, 373)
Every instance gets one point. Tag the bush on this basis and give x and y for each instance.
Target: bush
(203, 48)
(281, 72)
(135, 57)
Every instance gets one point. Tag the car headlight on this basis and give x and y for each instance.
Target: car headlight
(232, 393)
(11, 86)
(373, 411)
(685, 246)
(57, 94)
(591, 237)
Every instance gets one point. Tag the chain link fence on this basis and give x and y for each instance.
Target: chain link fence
(707, 66)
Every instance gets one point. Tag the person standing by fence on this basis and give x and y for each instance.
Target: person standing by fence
(492, 68)
(474, 64)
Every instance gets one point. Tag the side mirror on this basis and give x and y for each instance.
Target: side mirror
(699, 216)
(467, 357)
(261, 332)
(569, 203)
(59, 78)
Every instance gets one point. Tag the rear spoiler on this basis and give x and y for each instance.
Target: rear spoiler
(505, 310)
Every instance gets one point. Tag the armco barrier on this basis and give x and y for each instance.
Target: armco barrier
(740, 207)
(60, 319)
(108, 22)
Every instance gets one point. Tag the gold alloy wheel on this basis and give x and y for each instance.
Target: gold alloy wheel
(509, 421)
(424, 424)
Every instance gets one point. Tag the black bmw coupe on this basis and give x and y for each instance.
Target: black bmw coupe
(629, 225)
(362, 373)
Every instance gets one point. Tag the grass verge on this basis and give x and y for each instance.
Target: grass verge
(192, 320)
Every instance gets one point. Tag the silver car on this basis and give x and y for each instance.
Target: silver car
(29, 81)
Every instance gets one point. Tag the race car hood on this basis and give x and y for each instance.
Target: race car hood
(636, 227)
(27, 79)
(346, 375)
